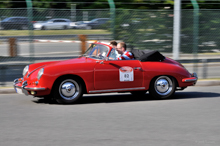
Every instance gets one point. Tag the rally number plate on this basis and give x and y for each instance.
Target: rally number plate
(19, 90)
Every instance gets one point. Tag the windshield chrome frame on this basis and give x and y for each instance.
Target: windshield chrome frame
(96, 44)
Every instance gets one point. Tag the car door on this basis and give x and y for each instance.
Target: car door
(56, 24)
(118, 74)
(50, 24)
(64, 24)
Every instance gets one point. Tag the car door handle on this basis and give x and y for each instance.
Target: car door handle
(137, 68)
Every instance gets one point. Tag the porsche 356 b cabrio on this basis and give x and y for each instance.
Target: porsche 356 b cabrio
(99, 71)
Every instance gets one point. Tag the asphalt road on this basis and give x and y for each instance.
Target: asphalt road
(190, 119)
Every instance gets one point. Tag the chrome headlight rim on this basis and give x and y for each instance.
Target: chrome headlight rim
(25, 70)
(40, 73)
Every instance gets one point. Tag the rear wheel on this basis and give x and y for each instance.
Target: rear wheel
(162, 87)
(65, 27)
(67, 90)
(24, 27)
(88, 27)
(43, 28)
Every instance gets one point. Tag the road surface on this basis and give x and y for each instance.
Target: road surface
(191, 119)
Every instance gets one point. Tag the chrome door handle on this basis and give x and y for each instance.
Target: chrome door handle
(137, 68)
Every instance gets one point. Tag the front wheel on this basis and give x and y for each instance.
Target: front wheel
(64, 27)
(24, 27)
(68, 91)
(162, 87)
(88, 27)
(43, 28)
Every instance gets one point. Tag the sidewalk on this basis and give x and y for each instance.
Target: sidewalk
(207, 82)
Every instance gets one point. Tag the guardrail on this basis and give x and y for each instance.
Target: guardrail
(8, 72)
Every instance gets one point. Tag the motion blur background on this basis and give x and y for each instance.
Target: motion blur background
(48, 30)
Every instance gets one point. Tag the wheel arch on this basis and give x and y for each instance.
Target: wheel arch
(177, 84)
(71, 76)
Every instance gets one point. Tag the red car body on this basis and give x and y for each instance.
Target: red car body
(99, 75)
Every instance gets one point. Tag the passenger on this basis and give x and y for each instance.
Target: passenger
(113, 44)
(124, 55)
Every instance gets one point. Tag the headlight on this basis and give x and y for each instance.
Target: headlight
(25, 70)
(40, 73)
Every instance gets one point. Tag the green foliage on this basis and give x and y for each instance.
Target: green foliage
(145, 29)
(100, 4)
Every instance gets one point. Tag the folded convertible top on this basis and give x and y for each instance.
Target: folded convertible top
(147, 55)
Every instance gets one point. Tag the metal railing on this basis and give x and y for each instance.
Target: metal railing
(141, 29)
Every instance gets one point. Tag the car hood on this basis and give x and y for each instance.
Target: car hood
(34, 68)
(70, 61)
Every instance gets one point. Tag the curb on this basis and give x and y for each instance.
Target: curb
(208, 83)
(7, 91)
(199, 83)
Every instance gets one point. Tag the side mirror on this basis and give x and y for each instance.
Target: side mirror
(104, 60)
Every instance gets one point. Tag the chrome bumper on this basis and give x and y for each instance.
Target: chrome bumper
(194, 79)
(24, 89)
(20, 89)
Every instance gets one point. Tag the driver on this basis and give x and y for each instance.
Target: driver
(124, 55)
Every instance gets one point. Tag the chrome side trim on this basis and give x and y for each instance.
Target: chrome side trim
(112, 90)
(190, 80)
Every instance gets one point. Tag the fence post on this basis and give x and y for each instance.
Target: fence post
(13, 47)
(2, 75)
(73, 12)
(195, 31)
(112, 12)
(83, 43)
(176, 29)
(204, 74)
(30, 27)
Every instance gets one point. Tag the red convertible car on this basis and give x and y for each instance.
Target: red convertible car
(98, 71)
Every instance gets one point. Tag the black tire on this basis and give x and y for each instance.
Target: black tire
(24, 27)
(64, 27)
(67, 90)
(88, 27)
(138, 93)
(43, 28)
(162, 87)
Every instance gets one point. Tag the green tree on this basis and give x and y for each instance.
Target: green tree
(100, 4)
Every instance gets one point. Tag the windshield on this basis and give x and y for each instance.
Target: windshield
(50, 20)
(97, 51)
(6, 19)
(94, 20)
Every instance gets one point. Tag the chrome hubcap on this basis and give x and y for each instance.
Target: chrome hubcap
(69, 89)
(163, 85)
